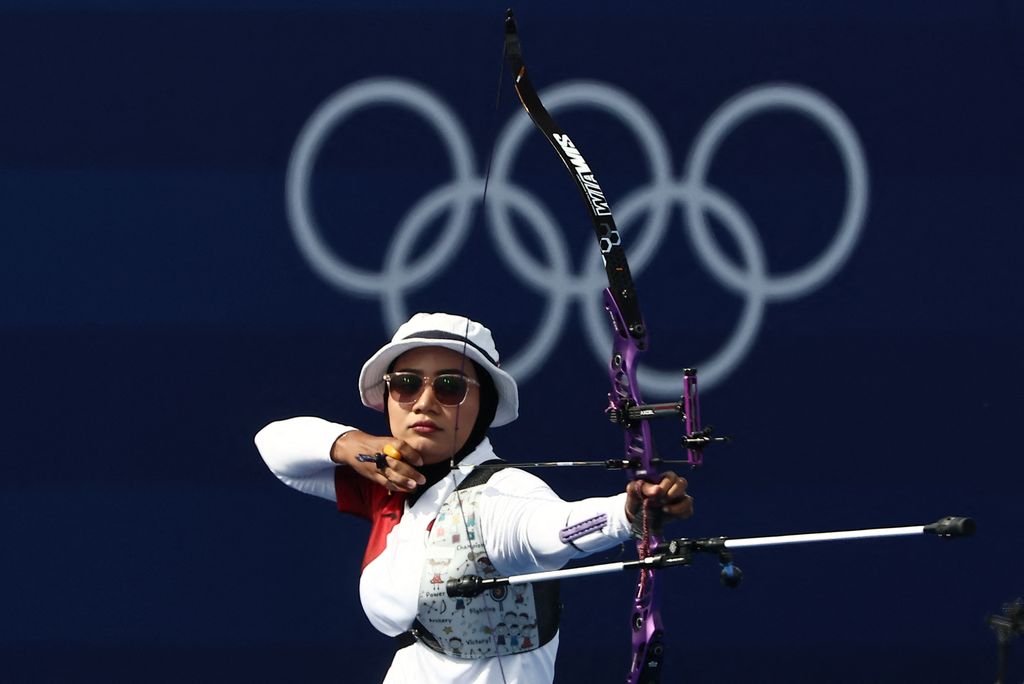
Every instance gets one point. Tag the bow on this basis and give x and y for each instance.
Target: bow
(626, 406)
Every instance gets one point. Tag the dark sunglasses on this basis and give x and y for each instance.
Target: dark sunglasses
(450, 389)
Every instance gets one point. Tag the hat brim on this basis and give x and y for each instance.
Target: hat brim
(371, 378)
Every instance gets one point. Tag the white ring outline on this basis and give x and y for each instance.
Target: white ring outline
(327, 117)
(818, 108)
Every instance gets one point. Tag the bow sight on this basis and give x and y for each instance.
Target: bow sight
(696, 439)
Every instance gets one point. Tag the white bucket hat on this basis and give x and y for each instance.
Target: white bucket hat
(450, 332)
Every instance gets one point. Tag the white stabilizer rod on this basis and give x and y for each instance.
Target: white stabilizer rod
(583, 571)
(823, 536)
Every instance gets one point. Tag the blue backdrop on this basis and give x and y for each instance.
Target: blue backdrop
(212, 212)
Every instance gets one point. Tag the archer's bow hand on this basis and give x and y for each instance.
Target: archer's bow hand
(374, 458)
(666, 500)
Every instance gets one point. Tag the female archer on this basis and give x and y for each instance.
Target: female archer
(442, 505)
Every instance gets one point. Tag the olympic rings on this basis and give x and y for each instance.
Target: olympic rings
(405, 270)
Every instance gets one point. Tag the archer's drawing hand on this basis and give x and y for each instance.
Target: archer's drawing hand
(397, 474)
(667, 499)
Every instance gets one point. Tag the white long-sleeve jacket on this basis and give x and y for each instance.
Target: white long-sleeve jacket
(520, 518)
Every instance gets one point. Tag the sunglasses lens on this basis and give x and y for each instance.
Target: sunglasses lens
(405, 387)
(450, 390)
